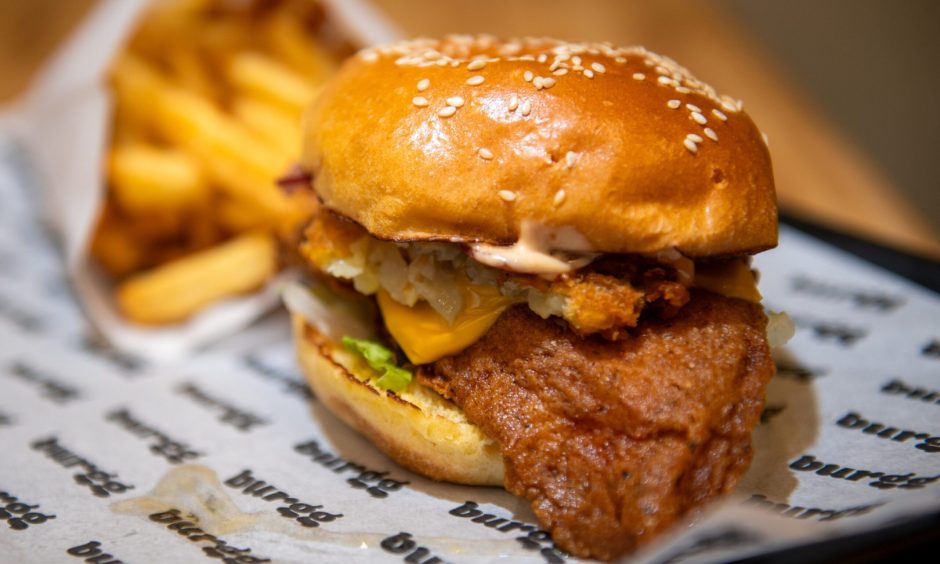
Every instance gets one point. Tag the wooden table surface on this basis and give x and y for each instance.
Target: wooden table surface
(820, 175)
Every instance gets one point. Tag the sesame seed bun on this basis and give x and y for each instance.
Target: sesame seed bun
(417, 428)
(464, 138)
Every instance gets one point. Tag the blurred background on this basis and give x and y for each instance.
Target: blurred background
(844, 89)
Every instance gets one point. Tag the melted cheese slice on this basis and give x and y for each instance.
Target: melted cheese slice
(425, 335)
(733, 279)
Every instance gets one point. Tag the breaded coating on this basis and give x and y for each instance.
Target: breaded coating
(327, 237)
(614, 441)
(610, 305)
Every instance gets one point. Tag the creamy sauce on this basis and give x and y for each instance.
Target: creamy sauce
(197, 491)
(536, 250)
(204, 502)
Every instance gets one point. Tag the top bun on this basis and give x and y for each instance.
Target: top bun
(464, 138)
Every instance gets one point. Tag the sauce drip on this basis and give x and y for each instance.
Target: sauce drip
(540, 250)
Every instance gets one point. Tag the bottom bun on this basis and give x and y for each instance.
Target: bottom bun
(417, 428)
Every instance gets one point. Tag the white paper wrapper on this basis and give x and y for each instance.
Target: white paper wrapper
(143, 462)
(63, 123)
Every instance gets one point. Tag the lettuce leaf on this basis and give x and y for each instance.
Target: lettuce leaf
(382, 360)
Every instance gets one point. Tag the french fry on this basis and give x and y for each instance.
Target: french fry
(157, 227)
(114, 246)
(174, 291)
(177, 9)
(127, 129)
(255, 190)
(145, 179)
(203, 228)
(190, 120)
(191, 73)
(138, 89)
(258, 75)
(221, 38)
(236, 160)
(293, 44)
(275, 126)
(208, 97)
(168, 19)
(238, 217)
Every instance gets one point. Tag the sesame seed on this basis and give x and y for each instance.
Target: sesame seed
(528, 76)
(598, 67)
(693, 108)
(690, 145)
(559, 197)
(420, 101)
(548, 82)
(555, 64)
(576, 60)
(476, 65)
(570, 158)
(526, 107)
(513, 103)
(475, 80)
(370, 56)
(699, 118)
(485, 153)
(639, 76)
(620, 60)
(537, 82)
(710, 133)
(663, 79)
(447, 111)
(560, 72)
(694, 137)
(719, 114)
(423, 84)
(507, 195)
(542, 58)
(682, 90)
(455, 101)
(729, 106)
(674, 104)
(588, 73)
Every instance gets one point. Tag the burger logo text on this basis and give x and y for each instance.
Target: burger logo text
(306, 514)
(372, 481)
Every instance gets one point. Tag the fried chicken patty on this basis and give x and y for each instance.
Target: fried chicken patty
(613, 441)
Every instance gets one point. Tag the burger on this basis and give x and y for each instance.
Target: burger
(530, 267)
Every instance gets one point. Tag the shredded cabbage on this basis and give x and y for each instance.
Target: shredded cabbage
(410, 272)
(332, 315)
